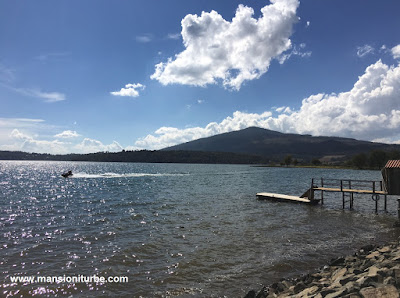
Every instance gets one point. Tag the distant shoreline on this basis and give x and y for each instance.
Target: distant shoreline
(161, 156)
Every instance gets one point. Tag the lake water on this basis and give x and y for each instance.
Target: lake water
(173, 229)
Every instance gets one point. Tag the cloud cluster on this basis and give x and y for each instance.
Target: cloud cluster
(131, 90)
(231, 52)
(369, 111)
(90, 145)
(26, 143)
(66, 134)
(145, 38)
(365, 50)
(169, 136)
(396, 52)
(32, 135)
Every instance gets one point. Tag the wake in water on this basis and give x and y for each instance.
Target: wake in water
(125, 175)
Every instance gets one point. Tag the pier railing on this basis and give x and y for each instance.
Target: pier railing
(369, 186)
(350, 187)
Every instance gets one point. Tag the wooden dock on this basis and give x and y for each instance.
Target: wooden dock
(347, 187)
(285, 198)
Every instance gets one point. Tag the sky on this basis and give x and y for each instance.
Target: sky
(94, 75)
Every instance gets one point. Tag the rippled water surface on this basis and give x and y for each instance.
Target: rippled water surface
(172, 229)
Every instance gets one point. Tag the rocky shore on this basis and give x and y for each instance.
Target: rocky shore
(373, 271)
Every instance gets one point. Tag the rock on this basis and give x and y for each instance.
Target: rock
(287, 284)
(347, 278)
(339, 273)
(308, 291)
(336, 262)
(326, 291)
(300, 286)
(389, 281)
(384, 249)
(373, 271)
(352, 295)
(338, 293)
(263, 293)
(367, 248)
(388, 291)
(251, 294)
(373, 255)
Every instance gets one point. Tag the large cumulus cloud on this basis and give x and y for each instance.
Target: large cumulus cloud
(231, 52)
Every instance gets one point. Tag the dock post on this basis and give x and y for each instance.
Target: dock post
(343, 197)
(385, 203)
(351, 201)
(322, 192)
(398, 209)
(376, 199)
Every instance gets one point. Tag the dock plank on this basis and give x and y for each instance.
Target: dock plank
(361, 191)
(286, 198)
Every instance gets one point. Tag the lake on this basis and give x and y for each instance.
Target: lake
(174, 230)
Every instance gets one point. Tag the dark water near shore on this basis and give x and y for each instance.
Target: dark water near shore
(173, 229)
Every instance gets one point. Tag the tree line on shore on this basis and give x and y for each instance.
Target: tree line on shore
(375, 159)
(146, 156)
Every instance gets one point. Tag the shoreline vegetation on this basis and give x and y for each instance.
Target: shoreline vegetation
(372, 271)
(374, 160)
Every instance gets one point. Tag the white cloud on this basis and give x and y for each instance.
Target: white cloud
(369, 111)
(7, 77)
(286, 110)
(7, 125)
(200, 101)
(26, 143)
(296, 51)
(364, 50)
(231, 52)
(129, 90)
(47, 56)
(90, 146)
(396, 52)
(169, 136)
(174, 36)
(21, 141)
(47, 96)
(34, 135)
(66, 134)
(308, 24)
(145, 38)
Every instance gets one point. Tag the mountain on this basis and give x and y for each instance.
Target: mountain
(275, 145)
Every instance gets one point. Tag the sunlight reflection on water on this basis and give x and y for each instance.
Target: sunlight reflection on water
(171, 228)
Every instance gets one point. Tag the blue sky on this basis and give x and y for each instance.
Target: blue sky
(87, 76)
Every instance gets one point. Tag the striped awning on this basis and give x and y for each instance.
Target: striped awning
(393, 164)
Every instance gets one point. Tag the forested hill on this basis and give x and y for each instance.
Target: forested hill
(276, 145)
